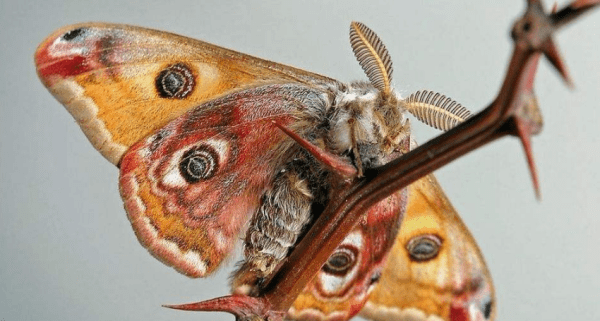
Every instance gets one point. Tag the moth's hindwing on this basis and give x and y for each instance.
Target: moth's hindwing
(341, 288)
(191, 187)
(435, 270)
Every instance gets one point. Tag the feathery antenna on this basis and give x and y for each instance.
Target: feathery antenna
(436, 110)
(372, 56)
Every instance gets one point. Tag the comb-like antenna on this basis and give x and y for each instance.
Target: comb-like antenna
(436, 110)
(372, 56)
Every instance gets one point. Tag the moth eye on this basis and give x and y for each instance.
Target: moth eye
(423, 247)
(341, 261)
(72, 34)
(198, 163)
(175, 81)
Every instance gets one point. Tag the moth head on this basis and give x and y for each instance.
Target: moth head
(368, 121)
(431, 108)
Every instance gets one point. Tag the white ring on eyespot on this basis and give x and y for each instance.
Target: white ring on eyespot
(354, 238)
(173, 178)
(331, 283)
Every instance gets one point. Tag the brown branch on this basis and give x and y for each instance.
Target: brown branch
(339, 217)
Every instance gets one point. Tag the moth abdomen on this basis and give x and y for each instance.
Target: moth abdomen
(286, 208)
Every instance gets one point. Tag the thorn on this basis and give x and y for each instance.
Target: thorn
(524, 136)
(571, 12)
(239, 305)
(551, 52)
(223, 304)
(584, 4)
(333, 162)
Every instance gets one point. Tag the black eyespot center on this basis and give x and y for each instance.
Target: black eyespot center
(199, 163)
(341, 261)
(172, 82)
(73, 34)
(175, 81)
(423, 247)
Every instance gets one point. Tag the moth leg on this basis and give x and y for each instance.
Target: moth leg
(274, 229)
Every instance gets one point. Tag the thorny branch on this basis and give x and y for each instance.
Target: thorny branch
(513, 112)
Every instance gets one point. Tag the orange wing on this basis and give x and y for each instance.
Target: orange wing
(435, 268)
(122, 83)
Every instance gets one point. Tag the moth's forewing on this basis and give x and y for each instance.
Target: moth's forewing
(122, 83)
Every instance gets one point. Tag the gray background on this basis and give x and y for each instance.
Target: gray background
(67, 251)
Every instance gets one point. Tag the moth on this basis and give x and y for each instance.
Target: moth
(211, 146)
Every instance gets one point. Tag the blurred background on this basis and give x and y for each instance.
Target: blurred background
(67, 249)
